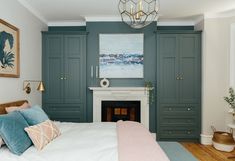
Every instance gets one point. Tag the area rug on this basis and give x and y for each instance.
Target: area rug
(176, 152)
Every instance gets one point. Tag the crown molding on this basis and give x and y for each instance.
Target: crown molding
(32, 10)
(67, 23)
(175, 23)
(103, 19)
(199, 19)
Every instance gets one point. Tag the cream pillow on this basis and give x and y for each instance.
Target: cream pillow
(17, 108)
(43, 133)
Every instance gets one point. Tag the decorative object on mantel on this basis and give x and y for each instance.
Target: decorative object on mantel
(27, 87)
(121, 55)
(138, 13)
(9, 50)
(104, 83)
(231, 101)
(149, 89)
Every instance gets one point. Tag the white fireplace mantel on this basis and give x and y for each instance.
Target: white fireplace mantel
(121, 94)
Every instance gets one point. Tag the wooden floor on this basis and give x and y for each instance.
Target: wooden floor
(208, 153)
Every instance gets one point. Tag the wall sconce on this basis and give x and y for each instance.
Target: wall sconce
(27, 88)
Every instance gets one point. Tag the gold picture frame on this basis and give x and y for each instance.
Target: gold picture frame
(9, 50)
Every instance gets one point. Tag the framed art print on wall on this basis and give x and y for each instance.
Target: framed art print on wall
(121, 55)
(9, 50)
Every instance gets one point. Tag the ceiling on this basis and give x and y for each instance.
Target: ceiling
(52, 11)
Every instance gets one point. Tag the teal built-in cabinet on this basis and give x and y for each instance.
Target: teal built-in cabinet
(64, 75)
(178, 85)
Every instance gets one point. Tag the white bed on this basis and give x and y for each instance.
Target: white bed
(103, 141)
(77, 142)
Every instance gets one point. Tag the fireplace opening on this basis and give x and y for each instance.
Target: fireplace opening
(112, 111)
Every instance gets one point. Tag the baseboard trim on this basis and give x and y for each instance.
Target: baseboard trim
(206, 139)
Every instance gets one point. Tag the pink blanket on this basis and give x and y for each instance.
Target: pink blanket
(135, 143)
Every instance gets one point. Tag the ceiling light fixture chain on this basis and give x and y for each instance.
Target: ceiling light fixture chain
(138, 13)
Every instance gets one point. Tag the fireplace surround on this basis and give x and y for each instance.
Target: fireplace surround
(120, 94)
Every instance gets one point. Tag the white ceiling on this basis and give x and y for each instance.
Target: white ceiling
(59, 11)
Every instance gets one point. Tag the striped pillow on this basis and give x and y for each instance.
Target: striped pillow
(43, 133)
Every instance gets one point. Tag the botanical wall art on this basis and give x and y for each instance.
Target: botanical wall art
(9, 50)
(121, 55)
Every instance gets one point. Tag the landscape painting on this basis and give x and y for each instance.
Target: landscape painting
(9, 50)
(121, 55)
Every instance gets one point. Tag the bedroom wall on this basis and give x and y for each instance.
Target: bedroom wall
(96, 28)
(215, 73)
(30, 52)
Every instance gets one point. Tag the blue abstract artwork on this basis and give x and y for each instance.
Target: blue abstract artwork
(9, 50)
(121, 55)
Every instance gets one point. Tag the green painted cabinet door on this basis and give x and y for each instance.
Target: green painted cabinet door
(52, 68)
(168, 68)
(75, 71)
(189, 68)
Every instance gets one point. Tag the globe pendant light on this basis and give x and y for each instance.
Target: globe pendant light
(138, 13)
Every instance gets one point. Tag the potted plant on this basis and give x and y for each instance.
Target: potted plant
(231, 101)
(149, 88)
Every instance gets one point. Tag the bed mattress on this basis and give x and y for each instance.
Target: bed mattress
(78, 142)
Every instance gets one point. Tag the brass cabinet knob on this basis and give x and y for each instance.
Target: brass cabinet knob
(189, 109)
(61, 78)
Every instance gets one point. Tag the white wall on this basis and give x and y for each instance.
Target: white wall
(215, 73)
(30, 52)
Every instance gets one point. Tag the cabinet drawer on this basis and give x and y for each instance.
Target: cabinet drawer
(55, 107)
(178, 109)
(178, 120)
(178, 132)
(67, 113)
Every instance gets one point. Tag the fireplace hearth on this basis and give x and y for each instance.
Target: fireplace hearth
(112, 111)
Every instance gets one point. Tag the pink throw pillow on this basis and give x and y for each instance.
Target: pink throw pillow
(1, 142)
(17, 108)
(43, 133)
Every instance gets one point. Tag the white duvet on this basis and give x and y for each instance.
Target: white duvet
(78, 142)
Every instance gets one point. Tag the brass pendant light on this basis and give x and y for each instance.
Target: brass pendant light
(138, 13)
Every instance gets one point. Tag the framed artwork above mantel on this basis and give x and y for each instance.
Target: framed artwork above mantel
(121, 55)
(9, 50)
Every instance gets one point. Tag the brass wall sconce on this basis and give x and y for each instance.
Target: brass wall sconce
(27, 88)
